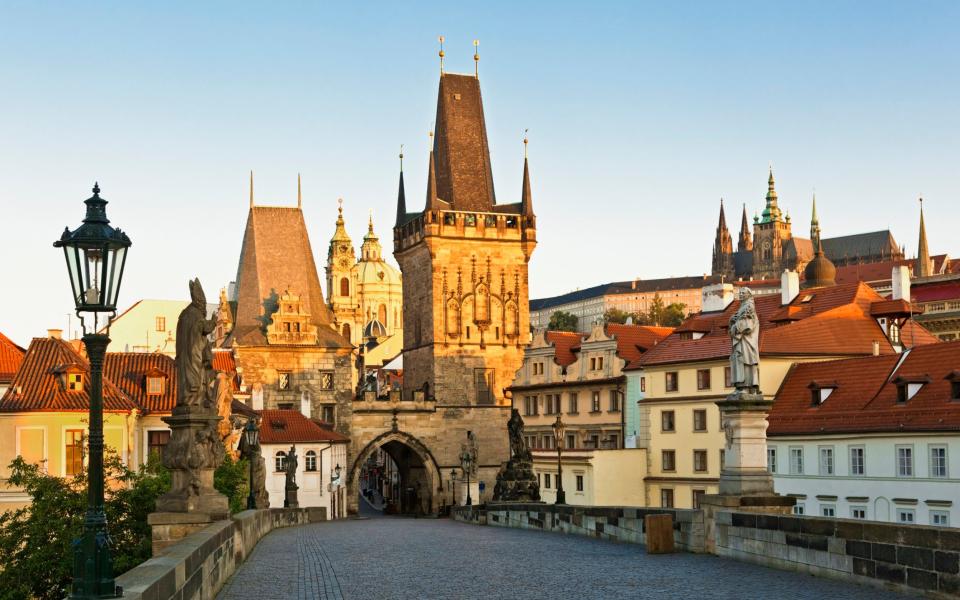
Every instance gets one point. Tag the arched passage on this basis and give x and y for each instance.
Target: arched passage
(414, 488)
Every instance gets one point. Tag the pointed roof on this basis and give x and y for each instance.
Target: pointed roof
(526, 197)
(433, 201)
(771, 212)
(401, 198)
(340, 233)
(276, 256)
(723, 219)
(814, 223)
(745, 244)
(464, 177)
(924, 263)
(11, 355)
(371, 248)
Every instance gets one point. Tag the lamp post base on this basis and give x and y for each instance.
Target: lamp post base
(561, 497)
(92, 561)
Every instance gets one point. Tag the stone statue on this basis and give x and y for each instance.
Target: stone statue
(516, 481)
(254, 454)
(518, 445)
(745, 337)
(194, 362)
(290, 465)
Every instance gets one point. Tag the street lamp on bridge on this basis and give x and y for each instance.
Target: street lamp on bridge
(251, 435)
(96, 254)
(466, 460)
(558, 429)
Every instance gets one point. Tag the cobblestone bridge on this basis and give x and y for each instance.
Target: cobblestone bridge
(427, 558)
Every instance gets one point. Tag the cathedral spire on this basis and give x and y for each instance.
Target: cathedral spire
(401, 195)
(745, 244)
(924, 263)
(815, 224)
(723, 248)
(772, 210)
(526, 198)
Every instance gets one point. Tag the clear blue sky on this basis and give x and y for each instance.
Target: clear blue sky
(641, 116)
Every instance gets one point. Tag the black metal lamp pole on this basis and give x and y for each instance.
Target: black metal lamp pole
(252, 437)
(453, 490)
(465, 460)
(96, 254)
(558, 429)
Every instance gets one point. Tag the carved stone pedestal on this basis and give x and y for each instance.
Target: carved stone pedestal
(743, 416)
(290, 496)
(516, 482)
(193, 453)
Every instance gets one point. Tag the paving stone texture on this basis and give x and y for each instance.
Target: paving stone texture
(429, 558)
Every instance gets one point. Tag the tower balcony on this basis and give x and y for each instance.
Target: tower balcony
(466, 225)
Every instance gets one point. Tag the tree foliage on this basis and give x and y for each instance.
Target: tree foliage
(562, 321)
(230, 479)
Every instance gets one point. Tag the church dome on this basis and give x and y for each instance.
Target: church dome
(376, 271)
(820, 272)
(374, 329)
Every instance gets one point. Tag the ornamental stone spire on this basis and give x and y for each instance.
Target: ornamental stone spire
(924, 262)
(745, 244)
(772, 211)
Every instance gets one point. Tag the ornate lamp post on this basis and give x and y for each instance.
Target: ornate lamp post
(558, 429)
(251, 435)
(96, 254)
(453, 490)
(466, 460)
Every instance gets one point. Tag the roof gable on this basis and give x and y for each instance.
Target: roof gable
(11, 355)
(292, 427)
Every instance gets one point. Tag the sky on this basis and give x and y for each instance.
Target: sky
(641, 116)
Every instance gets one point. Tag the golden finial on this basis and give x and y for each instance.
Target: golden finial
(299, 193)
(476, 59)
(370, 222)
(525, 142)
(340, 207)
(441, 55)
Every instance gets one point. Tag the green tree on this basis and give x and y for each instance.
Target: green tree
(615, 315)
(562, 321)
(230, 479)
(655, 314)
(674, 314)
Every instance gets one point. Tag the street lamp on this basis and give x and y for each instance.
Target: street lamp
(251, 435)
(466, 459)
(96, 254)
(336, 471)
(558, 429)
(453, 482)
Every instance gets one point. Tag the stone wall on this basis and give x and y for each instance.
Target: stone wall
(911, 558)
(614, 523)
(197, 566)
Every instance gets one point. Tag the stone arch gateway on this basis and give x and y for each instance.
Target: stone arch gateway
(420, 478)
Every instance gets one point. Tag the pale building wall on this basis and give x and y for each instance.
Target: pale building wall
(610, 477)
(880, 491)
(149, 326)
(317, 488)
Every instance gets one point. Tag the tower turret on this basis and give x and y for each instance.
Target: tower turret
(745, 244)
(340, 259)
(723, 248)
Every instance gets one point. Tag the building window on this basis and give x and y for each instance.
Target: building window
(344, 287)
(955, 390)
(858, 512)
(579, 483)
(670, 381)
(698, 497)
(643, 384)
(772, 459)
(327, 414)
(156, 440)
(546, 481)
(596, 363)
(894, 334)
(160, 323)
(283, 380)
(595, 402)
(703, 379)
(530, 407)
(857, 460)
(799, 508)
(614, 401)
(828, 510)
(154, 386)
(906, 515)
(485, 385)
(668, 460)
(594, 441)
(571, 441)
(326, 380)
(310, 462)
(700, 419)
(700, 461)
(285, 405)
(940, 518)
(279, 461)
(613, 441)
(667, 421)
(796, 461)
(727, 377)
(666, 498)
(538, 368)
(74, 451)
(826, 460)
(548, 442)
(75, 382)
(938, 461)
(574, 404)
(904, 461)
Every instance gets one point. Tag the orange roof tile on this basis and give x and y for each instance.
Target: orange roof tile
(565, 344)
(223, 361)
(292, 427)
(11, 355)
(865, 397)
(129, 372)
(634, 340)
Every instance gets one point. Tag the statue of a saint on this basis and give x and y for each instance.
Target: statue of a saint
(290, 466)
(518, 446)
(745, 337)
(194, 362)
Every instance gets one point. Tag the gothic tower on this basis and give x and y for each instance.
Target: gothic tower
(924, 266)
(723, 249)
(770, 233)
(464, 264)
(340, 287)
(744, 244)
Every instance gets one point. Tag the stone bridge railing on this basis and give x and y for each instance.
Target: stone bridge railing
(197, 566)
(909, 558)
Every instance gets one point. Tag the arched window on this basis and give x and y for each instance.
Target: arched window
(382, 314)
(311, 461)
(280, 461)
(344, 286)
(346, 330)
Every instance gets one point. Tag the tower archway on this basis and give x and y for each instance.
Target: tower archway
(411, 486)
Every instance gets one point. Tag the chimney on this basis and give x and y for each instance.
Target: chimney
(789, 286)
(55, 334)
(900, 280)
(305, 404)
(716, 297)
(876, 348)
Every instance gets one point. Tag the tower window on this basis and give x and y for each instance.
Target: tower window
(344, 287)
(75, 382)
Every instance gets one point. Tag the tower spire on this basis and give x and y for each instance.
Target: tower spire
(771, 212)
(299, 193)
(723, 248)
(476, 58)
(401, 196)
(924, 263)
(526, 198)
(432, 203)
(815, 223)
(251, 188)
(745, 243)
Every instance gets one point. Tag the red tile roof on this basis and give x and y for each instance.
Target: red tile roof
(223, 361)
(634, 340)
(881, 271)
(129, 372)
(933, 292)
(292, 427)
(832, 321)
(565, 343)
(38, 384)
(865, 398)
(11, 355)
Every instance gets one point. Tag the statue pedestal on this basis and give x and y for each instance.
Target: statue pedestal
(192, 455)
(516, 482)
(170, 527)
(743, 416)
(290, 496)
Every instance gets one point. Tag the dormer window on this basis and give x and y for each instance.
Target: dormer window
(908, 387)
(806, 298)
(820, 391)
(74, 382)
(954, 379)
(155, 386)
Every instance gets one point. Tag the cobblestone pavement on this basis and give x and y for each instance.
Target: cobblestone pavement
(429, 558)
